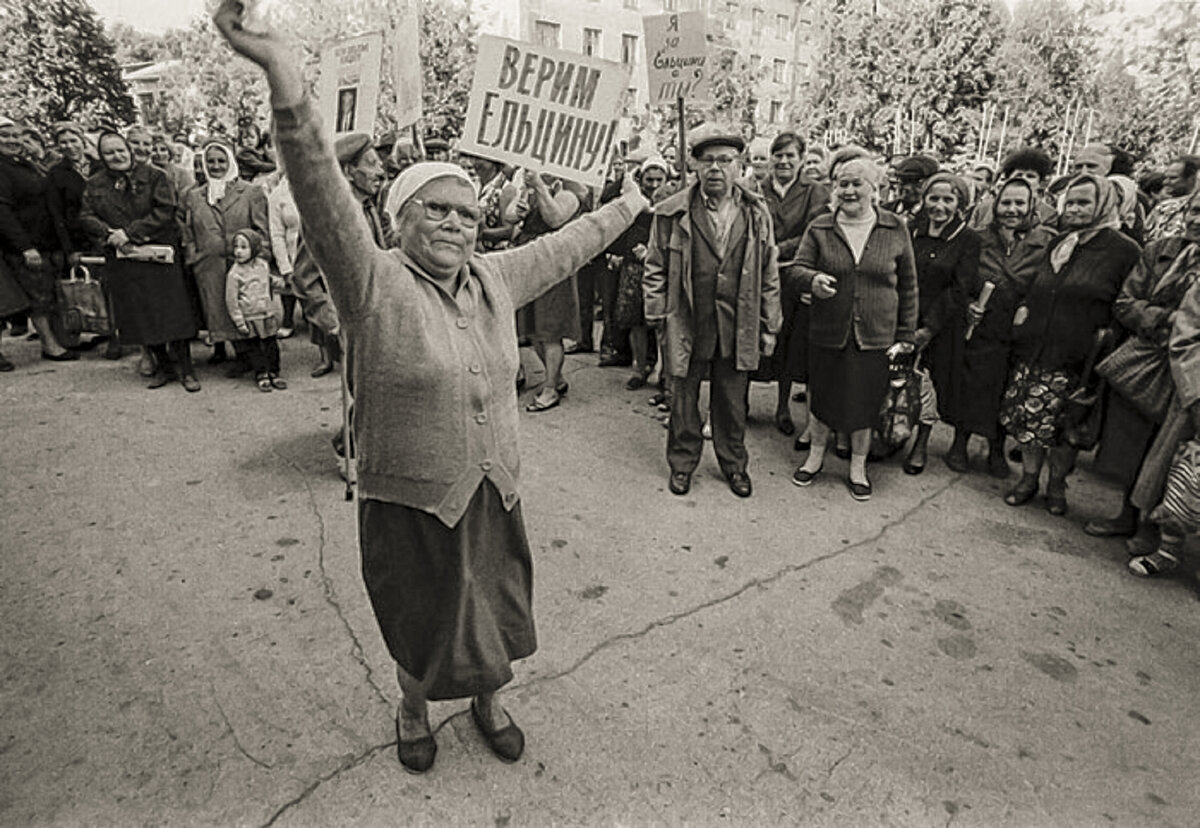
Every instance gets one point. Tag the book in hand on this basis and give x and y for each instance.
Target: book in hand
(159, 253)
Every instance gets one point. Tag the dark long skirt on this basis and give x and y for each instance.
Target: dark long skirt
(945, 359)
(984, 377)
(150, 302)
(847, 386)
(1124, 441)
(553, 316)
(455, 606)
(790, 360)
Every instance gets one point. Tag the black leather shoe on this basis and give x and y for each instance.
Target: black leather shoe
(508, 743)
(680, 483)
(842, 452)
(65, 356)
(739, 484)
(5, 365)
(1110, 528)
(801, 444)
(957, 460)
(416, 756)
(784, 423)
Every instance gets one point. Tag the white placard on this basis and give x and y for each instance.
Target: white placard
(544, 109)
(678, 64)
(407, 77)
(349, 85)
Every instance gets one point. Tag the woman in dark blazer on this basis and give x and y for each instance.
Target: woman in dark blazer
(1054, 331)
(858, 264)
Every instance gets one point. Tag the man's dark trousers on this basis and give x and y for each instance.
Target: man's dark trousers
(685, 442)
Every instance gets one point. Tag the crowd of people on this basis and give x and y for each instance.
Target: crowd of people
(1004, 290)
(1046, 315)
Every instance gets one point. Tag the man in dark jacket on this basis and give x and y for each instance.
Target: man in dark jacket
(711, 286)
(28, 240)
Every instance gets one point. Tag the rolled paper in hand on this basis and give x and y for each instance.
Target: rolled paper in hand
(985, 294)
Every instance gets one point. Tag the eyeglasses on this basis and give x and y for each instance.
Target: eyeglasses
(437, 211)
(717, 161)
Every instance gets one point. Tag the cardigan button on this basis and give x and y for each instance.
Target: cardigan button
(510, 498)
(486, 465)
(475, 368)
(462, 322)
(481, 418)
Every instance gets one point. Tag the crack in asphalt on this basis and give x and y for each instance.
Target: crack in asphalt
(329, 593)
(237, 742)
(755, 583)
(349, 764)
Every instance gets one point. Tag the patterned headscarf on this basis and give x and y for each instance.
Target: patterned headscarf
(1106, 215)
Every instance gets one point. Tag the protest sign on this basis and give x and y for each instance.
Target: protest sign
(349, 85)
(544, 109)
(406, 64)
(677, 59)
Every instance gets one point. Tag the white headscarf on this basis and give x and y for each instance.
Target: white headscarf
(216, 186)
(414, 178)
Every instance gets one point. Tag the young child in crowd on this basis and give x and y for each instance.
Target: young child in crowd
(248, 288)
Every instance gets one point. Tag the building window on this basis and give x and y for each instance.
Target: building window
(547, 34)
(776, 112)
(591, 42)
(629, 49)
(779, 71)
(631, 4)
(756, 20)
(670, 5)
(783, 27)
(731, 10)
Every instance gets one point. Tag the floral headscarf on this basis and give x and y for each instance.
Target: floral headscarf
(1106, 215)
(215, 188)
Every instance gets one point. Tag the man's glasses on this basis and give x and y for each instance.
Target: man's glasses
(722, 161)
(437, 211)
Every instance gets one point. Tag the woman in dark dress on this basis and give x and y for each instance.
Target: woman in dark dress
(1012, 248)
(947, 256)
(858, 265)
(629, 311)
(1055, 329)
(125, 205)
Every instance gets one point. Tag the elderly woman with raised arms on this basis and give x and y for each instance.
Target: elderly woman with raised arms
(430, 332)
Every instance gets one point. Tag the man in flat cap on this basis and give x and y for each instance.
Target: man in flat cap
(911, 175)
(712, 290)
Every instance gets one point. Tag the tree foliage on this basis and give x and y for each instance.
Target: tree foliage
(59, 65)
(208, 88)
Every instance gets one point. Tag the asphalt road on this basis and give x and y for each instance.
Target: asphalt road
(188, 641)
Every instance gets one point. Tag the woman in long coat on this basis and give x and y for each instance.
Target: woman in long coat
(1149, 305)
(1012, 247)
(127, 204)
(212, 214)
(947, 256)
(1055, 330)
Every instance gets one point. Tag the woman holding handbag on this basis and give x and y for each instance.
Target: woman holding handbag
(1055, 330)
(1138, 372)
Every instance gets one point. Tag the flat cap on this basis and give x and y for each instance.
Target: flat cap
(348, 148)
(916, 167)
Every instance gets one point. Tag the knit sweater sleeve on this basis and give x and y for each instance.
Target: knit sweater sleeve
(332, 221)
(532, 269)
(231, 297)
(906, 287)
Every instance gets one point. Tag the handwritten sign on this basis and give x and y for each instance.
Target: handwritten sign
(407, 78)
(349, 84)
(677, 59)
(545, 109)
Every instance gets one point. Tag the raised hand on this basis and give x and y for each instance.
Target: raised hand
(264, 48)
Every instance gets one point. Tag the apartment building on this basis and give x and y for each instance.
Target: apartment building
(766, 31)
